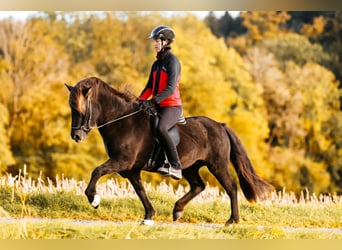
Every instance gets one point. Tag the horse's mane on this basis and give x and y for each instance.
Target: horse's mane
(98, 86)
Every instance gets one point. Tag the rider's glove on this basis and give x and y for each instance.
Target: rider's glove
(147, 104)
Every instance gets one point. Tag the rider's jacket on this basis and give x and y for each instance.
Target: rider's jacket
(163, 82)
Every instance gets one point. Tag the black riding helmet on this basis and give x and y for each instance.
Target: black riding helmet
(163, 32)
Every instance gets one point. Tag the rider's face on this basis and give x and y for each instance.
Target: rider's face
(158, 44)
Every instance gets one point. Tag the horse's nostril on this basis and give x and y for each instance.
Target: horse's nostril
(76, 137)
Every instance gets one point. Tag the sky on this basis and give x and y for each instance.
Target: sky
(22, 15)
(16, 14)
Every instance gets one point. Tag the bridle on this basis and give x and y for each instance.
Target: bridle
(88, 116)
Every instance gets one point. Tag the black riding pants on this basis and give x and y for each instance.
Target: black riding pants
(168, 117)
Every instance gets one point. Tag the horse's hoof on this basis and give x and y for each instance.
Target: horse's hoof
(177, 215)
(232, 221)
(96, 201)
(147, 222)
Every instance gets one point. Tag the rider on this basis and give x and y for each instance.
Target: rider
(163, 87)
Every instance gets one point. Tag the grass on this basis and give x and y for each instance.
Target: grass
(62, 211)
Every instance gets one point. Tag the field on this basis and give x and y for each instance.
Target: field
(41, 209)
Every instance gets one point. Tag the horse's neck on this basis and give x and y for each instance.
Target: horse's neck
(113, 107)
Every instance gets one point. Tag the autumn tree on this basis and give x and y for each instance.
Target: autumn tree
(321, 119)
(296, 48)
(326, 30)
(35, 69)
(300, 103)
(264, 24)
(7, 158)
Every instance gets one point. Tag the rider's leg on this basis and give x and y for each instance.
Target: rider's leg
(168, 117)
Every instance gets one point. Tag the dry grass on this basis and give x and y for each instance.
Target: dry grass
(114, 188)
(26, 198)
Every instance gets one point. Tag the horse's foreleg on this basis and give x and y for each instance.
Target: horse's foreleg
(196, 186)
(105, 168)
(135, 180)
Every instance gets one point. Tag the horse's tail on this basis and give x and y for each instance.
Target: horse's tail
(252, 185)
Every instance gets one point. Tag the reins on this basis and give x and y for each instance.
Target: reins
(118, 119)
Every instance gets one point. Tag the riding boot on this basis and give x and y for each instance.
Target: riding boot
(172, 166)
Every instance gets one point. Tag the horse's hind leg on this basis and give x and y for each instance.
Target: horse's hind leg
(222, 175)
(196, 186)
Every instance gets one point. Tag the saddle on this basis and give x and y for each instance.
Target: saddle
(158, 156)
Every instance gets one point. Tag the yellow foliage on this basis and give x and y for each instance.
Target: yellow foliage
(314, 29)
(263, 24)
(296, 172)
(6, 158)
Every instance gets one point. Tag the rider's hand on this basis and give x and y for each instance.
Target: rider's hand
(146, 104)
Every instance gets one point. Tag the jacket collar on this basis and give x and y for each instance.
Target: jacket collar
(161, 54)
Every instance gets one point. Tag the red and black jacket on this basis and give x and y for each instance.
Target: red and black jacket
(163, 82)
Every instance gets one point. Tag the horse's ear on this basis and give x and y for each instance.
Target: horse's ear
(86, 92)
(68, 86)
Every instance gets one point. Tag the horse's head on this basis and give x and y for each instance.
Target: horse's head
(81, 111)
(92, 101)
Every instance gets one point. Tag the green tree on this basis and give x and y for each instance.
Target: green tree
(212, 22)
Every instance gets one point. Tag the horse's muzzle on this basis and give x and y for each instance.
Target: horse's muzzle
(78, 135)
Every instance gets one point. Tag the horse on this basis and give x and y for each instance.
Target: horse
(126, 133)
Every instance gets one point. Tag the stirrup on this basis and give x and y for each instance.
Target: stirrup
(166, 170)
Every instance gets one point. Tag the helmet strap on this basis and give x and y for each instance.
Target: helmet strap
(164, 44)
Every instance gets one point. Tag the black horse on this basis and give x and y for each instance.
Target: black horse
(126, 133)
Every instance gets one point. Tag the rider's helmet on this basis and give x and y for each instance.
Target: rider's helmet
(163, 32)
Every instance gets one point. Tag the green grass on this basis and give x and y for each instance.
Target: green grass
(64, 209)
